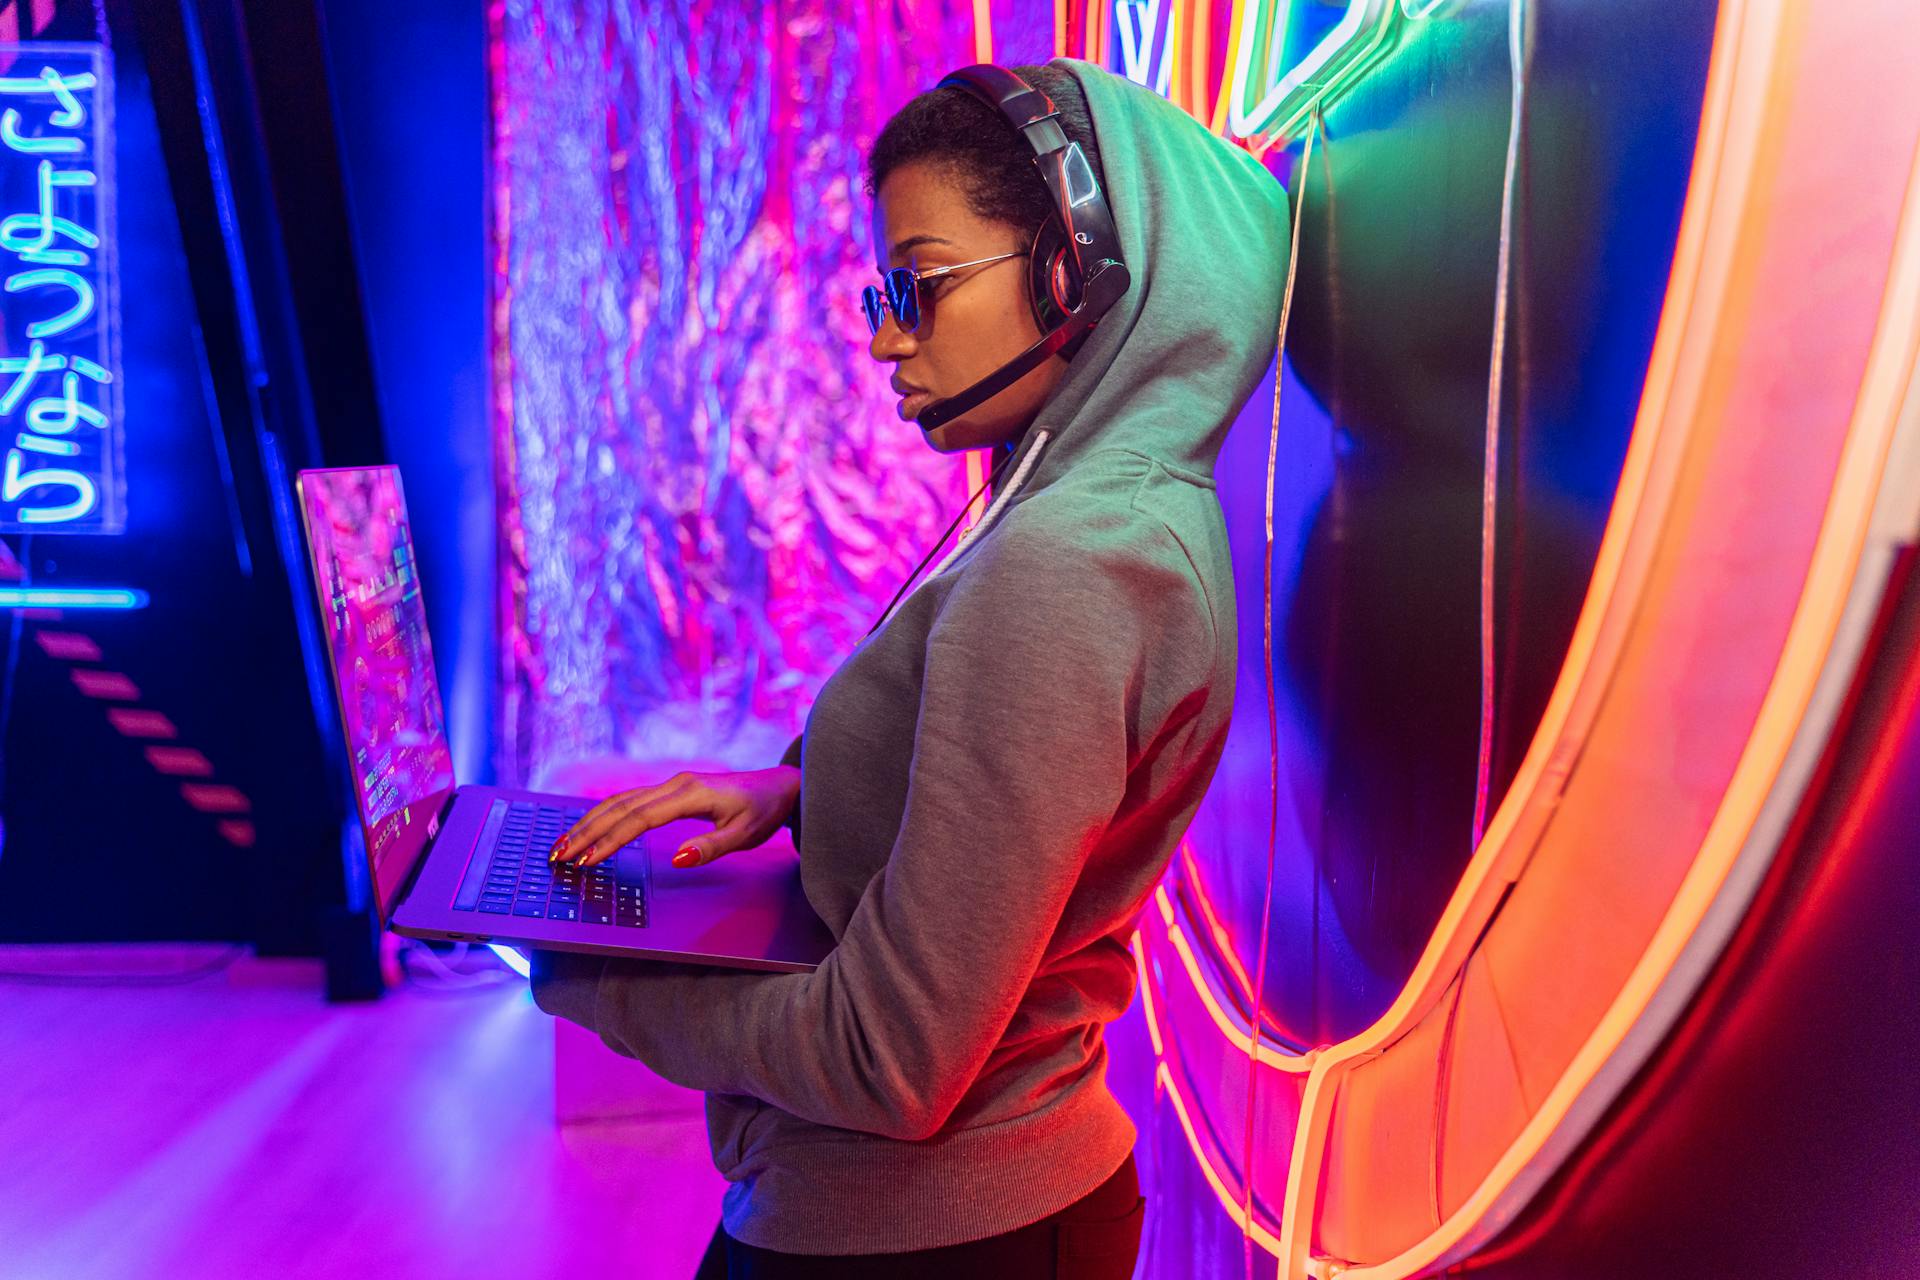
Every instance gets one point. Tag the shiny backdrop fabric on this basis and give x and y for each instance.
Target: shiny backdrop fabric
(706, 496)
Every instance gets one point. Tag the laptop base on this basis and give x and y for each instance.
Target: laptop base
(743, 911)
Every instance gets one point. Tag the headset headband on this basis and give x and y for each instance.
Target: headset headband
(1098, 270)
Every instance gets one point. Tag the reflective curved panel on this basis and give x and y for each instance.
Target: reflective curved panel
(1377, 497)
(1741, 625)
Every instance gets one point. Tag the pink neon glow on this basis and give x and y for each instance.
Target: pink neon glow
(237, 832)
(1146, 993)
(215, 798)
(180, 762)
(136, 722)
(68, 646)
(105, 684)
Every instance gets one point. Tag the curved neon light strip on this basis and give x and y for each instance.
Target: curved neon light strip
(1596, 643)
(1715, 893)
(1193, 63)
(1146, 994)
(1636, 1021)
(1222, 940)
(1694, 925)
(1234, 1029)
(1326, 70)
(1223, 1191)
(1597, 635)
(1233, 1040)
(1163, 1076)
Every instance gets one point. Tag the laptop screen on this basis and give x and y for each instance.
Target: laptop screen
(363, 565)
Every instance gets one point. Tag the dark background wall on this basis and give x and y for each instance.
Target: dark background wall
(410, 96)
(99, 842)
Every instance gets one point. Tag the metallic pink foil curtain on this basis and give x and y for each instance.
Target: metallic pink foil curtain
(706, 496)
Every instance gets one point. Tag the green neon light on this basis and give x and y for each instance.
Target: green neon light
(1340, 59)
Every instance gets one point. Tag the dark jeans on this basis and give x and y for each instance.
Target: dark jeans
(1096, 1237)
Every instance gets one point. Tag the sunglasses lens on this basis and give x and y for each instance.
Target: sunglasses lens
(873, 304)
(903, 295)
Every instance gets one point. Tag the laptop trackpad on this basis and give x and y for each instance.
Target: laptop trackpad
(745, 903)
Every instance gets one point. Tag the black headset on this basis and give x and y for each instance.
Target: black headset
(1074, 273)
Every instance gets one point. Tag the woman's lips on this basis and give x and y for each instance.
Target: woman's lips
(911, 405)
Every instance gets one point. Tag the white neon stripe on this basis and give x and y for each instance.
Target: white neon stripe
(1245, 123)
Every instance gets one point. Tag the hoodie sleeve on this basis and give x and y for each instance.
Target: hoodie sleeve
(1027, 725)
(791, 756)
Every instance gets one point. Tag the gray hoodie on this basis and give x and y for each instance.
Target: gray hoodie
(994, 781)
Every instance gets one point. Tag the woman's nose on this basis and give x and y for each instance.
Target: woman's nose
(890, 342)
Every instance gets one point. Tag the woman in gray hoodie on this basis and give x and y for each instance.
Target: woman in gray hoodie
(995, 779)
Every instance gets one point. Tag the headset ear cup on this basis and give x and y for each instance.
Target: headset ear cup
(1052, 282)
(1060, 279)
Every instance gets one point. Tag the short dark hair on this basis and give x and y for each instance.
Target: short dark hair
(980, 149)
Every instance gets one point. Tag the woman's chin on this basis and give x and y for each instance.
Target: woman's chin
(964, 433)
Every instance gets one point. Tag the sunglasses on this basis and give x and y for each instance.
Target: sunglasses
(901, 294)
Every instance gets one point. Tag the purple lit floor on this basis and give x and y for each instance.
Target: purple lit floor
(240, 1126)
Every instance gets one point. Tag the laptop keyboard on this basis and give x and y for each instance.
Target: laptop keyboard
(520, 881)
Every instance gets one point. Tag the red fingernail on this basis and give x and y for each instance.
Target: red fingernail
(686, 857)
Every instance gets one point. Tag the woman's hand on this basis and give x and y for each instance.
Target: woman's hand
(745, 809)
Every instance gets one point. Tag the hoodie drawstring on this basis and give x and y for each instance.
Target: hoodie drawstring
(1020, 472)
(968, 538)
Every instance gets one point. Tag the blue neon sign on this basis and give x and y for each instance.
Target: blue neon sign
(60, 388)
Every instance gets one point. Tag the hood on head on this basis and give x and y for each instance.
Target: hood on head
(1203, 229)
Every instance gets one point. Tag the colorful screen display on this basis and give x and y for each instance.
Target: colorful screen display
(376, 626)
